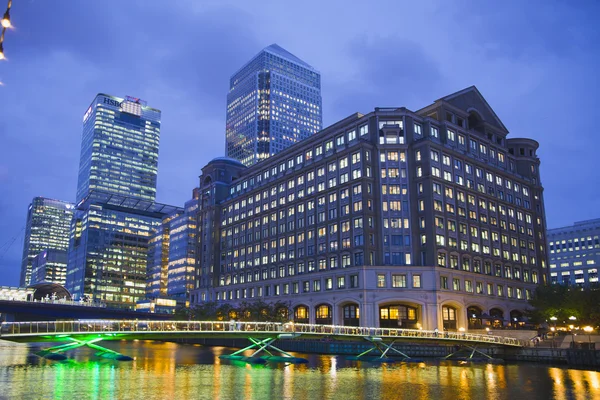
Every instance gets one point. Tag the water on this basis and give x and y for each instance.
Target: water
(172, 371)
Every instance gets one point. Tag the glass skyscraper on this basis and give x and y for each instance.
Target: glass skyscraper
(119, 148)
(108, 252)
(47, 227)
(274, 101)
(172, 256)
(182, 254)
(116, 209)
(49, 266)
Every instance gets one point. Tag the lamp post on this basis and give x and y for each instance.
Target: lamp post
(589, 330)
(572, 318)
(6, 23)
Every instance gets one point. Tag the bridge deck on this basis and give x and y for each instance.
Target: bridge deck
(54, 331)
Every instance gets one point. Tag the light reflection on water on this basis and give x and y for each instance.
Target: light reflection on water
(172, 371)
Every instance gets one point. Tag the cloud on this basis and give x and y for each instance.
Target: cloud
(389, 72)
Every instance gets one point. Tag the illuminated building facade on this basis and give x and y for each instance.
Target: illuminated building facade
(574, 253)
(109, 246)
(49, 266)
(431, 219)
(274, 101)
(172, 256)
(119, 148)
(47, 227)
(182, 254)
(116, 209)
(158, 260)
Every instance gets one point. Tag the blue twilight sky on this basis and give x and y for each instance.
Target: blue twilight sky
(536, 62)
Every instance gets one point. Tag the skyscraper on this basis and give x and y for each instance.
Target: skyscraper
(172, 255)
(116, 211)
(49, 266)
(119, 148)
(108, 251)
(48, 223)
(274, 101)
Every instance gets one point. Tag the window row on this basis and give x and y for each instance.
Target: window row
(299, 159)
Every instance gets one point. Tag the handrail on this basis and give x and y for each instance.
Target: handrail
(16, 329)
(57, 302)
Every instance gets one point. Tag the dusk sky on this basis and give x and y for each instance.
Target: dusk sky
(536, 63)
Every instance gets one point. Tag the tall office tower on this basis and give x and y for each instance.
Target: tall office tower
(109, 245)
(172, 256)
(119, 148)
(431, 219)
(575, 253)
(182, 254)
(158, 259)
(274, 101)
(48, 223)
(49, 266)
(116, 212)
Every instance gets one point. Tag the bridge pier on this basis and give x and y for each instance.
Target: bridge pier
(379, 344)
(470, 354)
(265, 345)
(55, 353)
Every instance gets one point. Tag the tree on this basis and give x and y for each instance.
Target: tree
(563, 302)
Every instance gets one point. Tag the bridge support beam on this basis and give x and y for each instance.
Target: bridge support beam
(384, 348)
(265, 345)
(469, 353)
(55, 353)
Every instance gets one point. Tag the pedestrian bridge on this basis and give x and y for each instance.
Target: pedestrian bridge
(261, 334)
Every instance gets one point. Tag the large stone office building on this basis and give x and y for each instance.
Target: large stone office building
(427, 219)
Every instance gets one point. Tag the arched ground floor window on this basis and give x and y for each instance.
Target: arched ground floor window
(398, 316)
(351, 315)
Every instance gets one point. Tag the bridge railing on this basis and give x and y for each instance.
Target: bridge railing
(56, 301)
(138, 326)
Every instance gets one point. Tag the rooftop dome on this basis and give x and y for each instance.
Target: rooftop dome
(48, 288)
(228, 160)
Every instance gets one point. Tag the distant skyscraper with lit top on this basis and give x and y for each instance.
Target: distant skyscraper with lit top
(47, 228)
(119, 148)
(274, 101)
(116, 210)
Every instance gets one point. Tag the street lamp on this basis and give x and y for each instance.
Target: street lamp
(6, 19)
(589, 330)
(5, 22)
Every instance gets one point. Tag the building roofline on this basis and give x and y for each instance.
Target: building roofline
(270, 49)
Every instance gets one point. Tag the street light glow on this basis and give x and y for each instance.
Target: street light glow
(6, 20)
(2, 56)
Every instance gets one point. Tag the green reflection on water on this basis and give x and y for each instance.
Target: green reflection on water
(167, 370)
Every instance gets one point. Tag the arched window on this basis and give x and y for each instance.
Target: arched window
(474, 316)
(351, 315)
(283, 314)
(497, 318)
(398, 316)
(301, 315)
(449, 317)
(323, 314)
